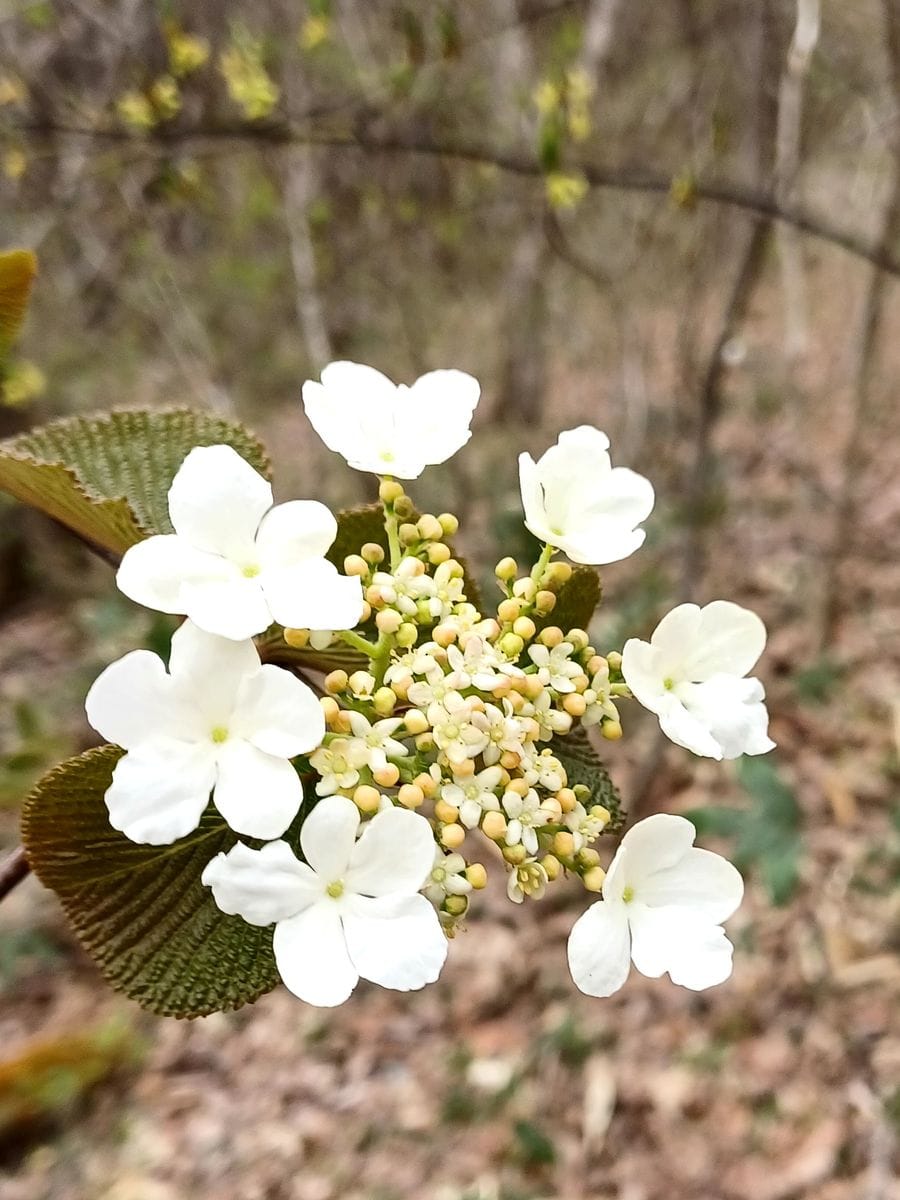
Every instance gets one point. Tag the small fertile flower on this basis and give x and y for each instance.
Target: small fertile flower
(218, 722)
(528, 879)
(526, 817)
(389, 428)
(459, 729)
(585, 826)
(575, 500)
(235, 564)
(506, 734)
(555, 667)
(338, 764)
(691, 674)
(373, 742)
(662, 908)
(447, 877)
(352, 910)
(474, 795)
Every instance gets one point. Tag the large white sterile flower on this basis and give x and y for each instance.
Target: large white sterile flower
(235, 564)
(389, 428)
(218, 721)
(575, 500)
(691, 674)
(662, 908)
(352, 910)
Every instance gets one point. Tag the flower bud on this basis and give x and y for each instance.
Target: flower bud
(384, 701)
(509, 610)
(552, 808)
(438, 553)
(411, 796)
(544, 603)
(407, 635)
(493, 825)
(404, 507)
(429, 528)
(519, 786)
(611, 730)
(336, 681)
(551, 636)
(476, 875)
(367, 799)
(525, 589)
(427, 783)
(524, 628)
(425, 742)
(361, 683)
(509, 760)
(556, 575)
(506, 569)
(601, 813)
(444, 635)
(341, 721)
(615, 661)
(320, 639)
(588, 858)
(365, 613)
(387, 776)
(464, 769)
(578, 639)
(330, 709)
(355, 564)
(388, 620)
(596, 664)
(373, 553)
(415, 721)
(408, 533)
(390, 491)
(552, 866)
(298, 638)
(511, 645)
(563, 844)
(448, 814)
(452, 836)
(566, 798)
(456, 905)
(574, 704)
(515, 854)
(533, 686)
(449, 524)
(580, 682)
(593, 879)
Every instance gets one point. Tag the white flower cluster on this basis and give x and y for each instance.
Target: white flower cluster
(444, 724)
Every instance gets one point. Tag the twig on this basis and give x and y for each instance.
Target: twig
(13, 869)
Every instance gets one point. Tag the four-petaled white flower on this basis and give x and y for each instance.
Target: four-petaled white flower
(374, 742)
(691, 674)
(352, 910)
(526, 817)
(459, 729)
(235, 564)
(389, 428)
(218, 720)
(575, 500)
(555, 667)
(475, 795)
(338, 765)
(447, 877)
(662, 908)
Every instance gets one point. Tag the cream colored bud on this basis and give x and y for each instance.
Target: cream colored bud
(526, 589)
(509, 610)
(365, 613)
(615, 661)
(493, 825)
(601, 813)
(588, 858)
(563, 844)
(384, 701)
(387, 776)
(578, 639)
(373, 553)
(556, 575)
(449, 524)
(367, 799)
(375, 596)
(355, 564)
(551, 636)
(593, 879)
(464, 769)
(452, 836)
(506, 569)
(611, 730)
(388, 620)
(567, 799)
(552, 866)
(297, 638)
(515, 854)
(330, 709)
(415, 721)
(524, 628)
(427, 783)
(502, 687)
(456, 905)
(407, 635)
(390, 491)
(544, 603)
(361, 682)
(438, 553)
(411, 796)
(596, 664)
(336, 681)
(429, 528)
(519, 786)
(575, 705)
(444, 635)
(446, 813)
(511, 645)
(552, 808)
(509, 760)
(476, 875)
(341, 722)
(533, 686)
(425, 742)
(408, 533)
(404, 507)
(580, 682)
(489, 629)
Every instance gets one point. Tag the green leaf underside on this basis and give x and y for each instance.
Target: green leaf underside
(583, 765)
(107, 478)
(141, 912)
(576, 601)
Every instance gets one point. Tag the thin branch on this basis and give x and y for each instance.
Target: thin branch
(13, 869)
(758, 202)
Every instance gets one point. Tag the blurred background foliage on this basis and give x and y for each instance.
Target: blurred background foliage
(679, 222)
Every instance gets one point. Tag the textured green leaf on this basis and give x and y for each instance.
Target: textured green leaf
(17, 271)
(141, 912)
(107, 478)
(576, 601)
(583, 765)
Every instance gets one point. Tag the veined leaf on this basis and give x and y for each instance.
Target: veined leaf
(18, 269)
(583, 765)
(141, 912)
(107, 478)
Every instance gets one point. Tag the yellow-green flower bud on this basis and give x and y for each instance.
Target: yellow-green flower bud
(593, 879)
(373, 553)
(476, 875)
(384, 701)
(509, 610)
(404, 508)
(415, 721)
(552, 866)
(429, 528)
(525, 628)
(563, 844)
(390, 491)
(336, 681)
(388, 620)
(407, 635)
(456, 905)
(506, 569)
(544, 603)
(438, 553)
(449, 524)
(615, 660)
(611, 730)
(297, 638)
(408, 533)
(556, 575)
(551, 636)
(525, 588)
(578, 638)
(515, 854)
(355, 564)
(511, 645)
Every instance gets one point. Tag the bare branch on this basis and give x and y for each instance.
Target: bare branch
(13, 869)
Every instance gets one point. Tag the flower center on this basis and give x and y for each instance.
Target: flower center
(336, 889)
(439, 875)
(219, 734)
(451, 731)
(628, 894)
(387, 456)
(339, 765)
(250, 571)
(668, 684)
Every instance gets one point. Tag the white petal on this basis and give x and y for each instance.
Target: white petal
(257, 794)
(217, 501)
(731, 709)
(313, 595)
(730, 639)
(394, 855)
(155, 571)
(354, 412)
(675, 637)
(642, 670)
(704, 883)
(132, 701)
(443, 403)
(533, 499)
(685, 729)
(208, 671)
(278, 713)
(695, 952)
(262, 886)
(235, 608)
(599, 949)
(603, 542)
(293, 532)
(159, 790)
(654, 844)
(395, 941)
(328, 836)
(312, 957)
